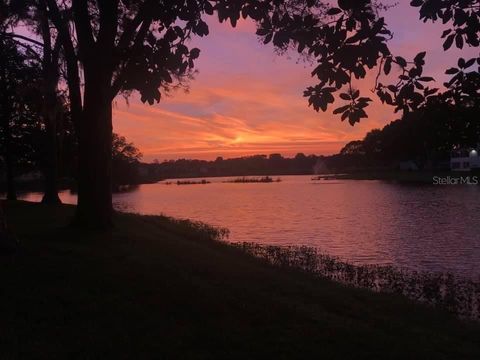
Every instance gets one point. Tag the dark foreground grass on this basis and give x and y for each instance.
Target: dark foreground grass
(160, 290)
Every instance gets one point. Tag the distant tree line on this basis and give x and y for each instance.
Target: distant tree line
(257, 165)
(425, 138)
(274, 164)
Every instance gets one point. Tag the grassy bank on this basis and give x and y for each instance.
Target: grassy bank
(159, 289)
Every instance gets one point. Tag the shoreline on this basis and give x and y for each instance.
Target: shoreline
(407, 177)
(457, 294)
(418, 177)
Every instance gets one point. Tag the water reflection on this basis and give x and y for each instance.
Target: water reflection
(366, 222)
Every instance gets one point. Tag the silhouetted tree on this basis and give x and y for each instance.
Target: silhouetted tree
(19, 126)
(353, 148)
(121, 46)
(125, 161)
(52, 109)
(8, 91)
(427, 135)
(47, 51)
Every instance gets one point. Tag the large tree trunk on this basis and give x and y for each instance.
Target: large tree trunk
(50, 65)
(93, 120)
(94, 208)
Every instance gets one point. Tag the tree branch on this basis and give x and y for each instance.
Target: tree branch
(129, 32)
(18, 36)
(73, 74)
(108, 24)
(142, 32)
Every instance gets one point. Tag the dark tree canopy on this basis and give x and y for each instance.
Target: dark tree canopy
(351, 39)
(125, 161)
(147, 52)
(19, 126)
(422, 136)
(354, 147)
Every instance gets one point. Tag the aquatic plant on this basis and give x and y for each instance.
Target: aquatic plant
(188, 182)
(190, 228)
(264, 179)
(458, 295)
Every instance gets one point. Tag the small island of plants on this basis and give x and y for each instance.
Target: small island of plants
(188, 182)
(263, 179)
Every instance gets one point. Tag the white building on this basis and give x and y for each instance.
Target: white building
(465, 160)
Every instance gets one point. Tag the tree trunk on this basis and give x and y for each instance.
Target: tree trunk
(11, 193)
(7, 131)
(50, 195)
(50, 66)
(94, 208)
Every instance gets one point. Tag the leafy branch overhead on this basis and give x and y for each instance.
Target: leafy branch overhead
(346, 42)
(346, 39)
(350, 39)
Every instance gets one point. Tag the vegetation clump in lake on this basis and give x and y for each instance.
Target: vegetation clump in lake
(244, 179)
(188, 182)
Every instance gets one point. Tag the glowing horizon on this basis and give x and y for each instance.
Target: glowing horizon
(247, 100)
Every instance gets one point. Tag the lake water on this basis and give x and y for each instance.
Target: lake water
(434, 228)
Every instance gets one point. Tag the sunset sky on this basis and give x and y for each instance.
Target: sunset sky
(248, 100)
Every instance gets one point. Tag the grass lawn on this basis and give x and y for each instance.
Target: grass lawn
(155, 289)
